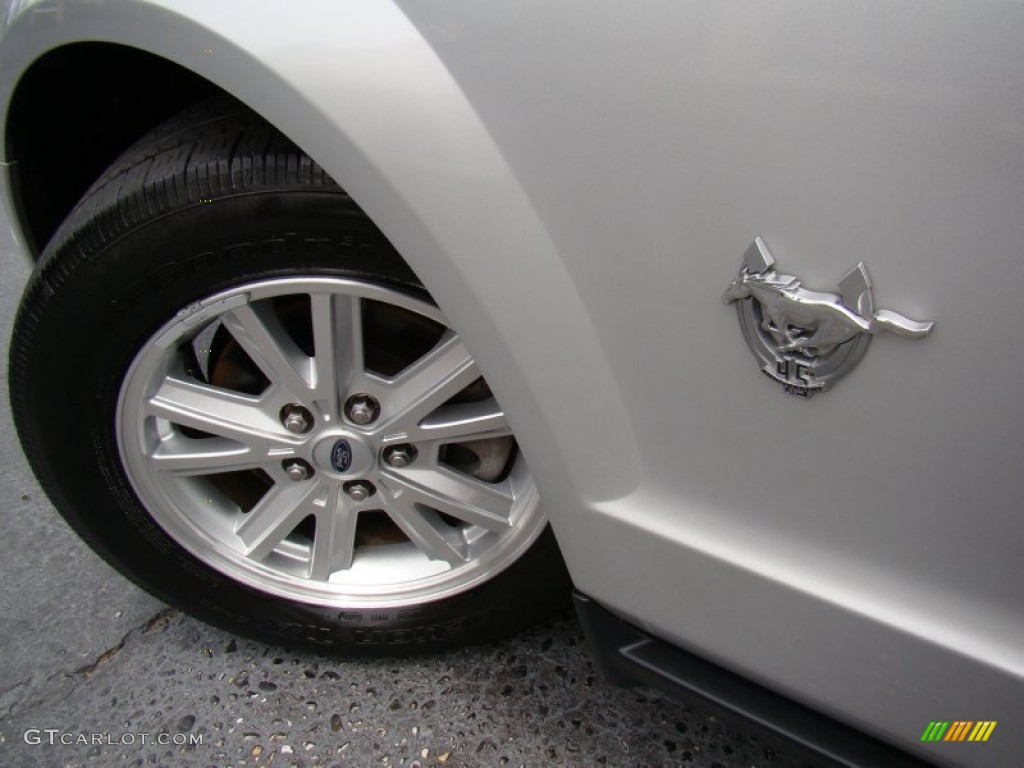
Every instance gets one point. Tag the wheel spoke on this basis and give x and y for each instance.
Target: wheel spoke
(455, 494)
(218, 411)
(338, 342)
(458, 422)
(187, 456)
(334, 541)
(259, 332)
(275, 516)
(426, 531)
(425, 385)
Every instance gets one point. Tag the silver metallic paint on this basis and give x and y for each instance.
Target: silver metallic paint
(572, 181)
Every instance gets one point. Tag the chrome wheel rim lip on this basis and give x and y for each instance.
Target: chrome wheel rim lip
(380, 576)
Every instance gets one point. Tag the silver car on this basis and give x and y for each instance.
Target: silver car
(381, 326)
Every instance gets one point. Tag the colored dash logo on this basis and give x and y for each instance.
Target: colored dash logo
(959, 730)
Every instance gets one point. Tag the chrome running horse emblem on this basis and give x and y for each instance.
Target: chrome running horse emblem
(808, 339)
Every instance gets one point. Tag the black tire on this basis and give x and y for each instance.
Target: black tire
(209, 200)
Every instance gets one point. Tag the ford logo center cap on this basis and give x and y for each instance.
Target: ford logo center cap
(341, 456)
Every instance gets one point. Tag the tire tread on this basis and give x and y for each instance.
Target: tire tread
(216, 148)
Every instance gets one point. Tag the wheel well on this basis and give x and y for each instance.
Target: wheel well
(74, 111)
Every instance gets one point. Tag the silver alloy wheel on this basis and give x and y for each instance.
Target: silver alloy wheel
(434, 527)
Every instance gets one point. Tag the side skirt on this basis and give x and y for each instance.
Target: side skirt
(628, 656)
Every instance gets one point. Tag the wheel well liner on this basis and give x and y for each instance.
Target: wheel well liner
(74, 111)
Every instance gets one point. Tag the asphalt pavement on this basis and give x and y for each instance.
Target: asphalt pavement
(95, 672)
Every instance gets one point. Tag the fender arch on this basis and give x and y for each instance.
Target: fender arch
(358, 87)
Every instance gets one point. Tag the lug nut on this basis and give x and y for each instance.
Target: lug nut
(296, 418)
(400, 455)
(359, 490)
(297, 469)
(362, 409)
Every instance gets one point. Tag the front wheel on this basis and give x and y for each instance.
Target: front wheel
(236, 391)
